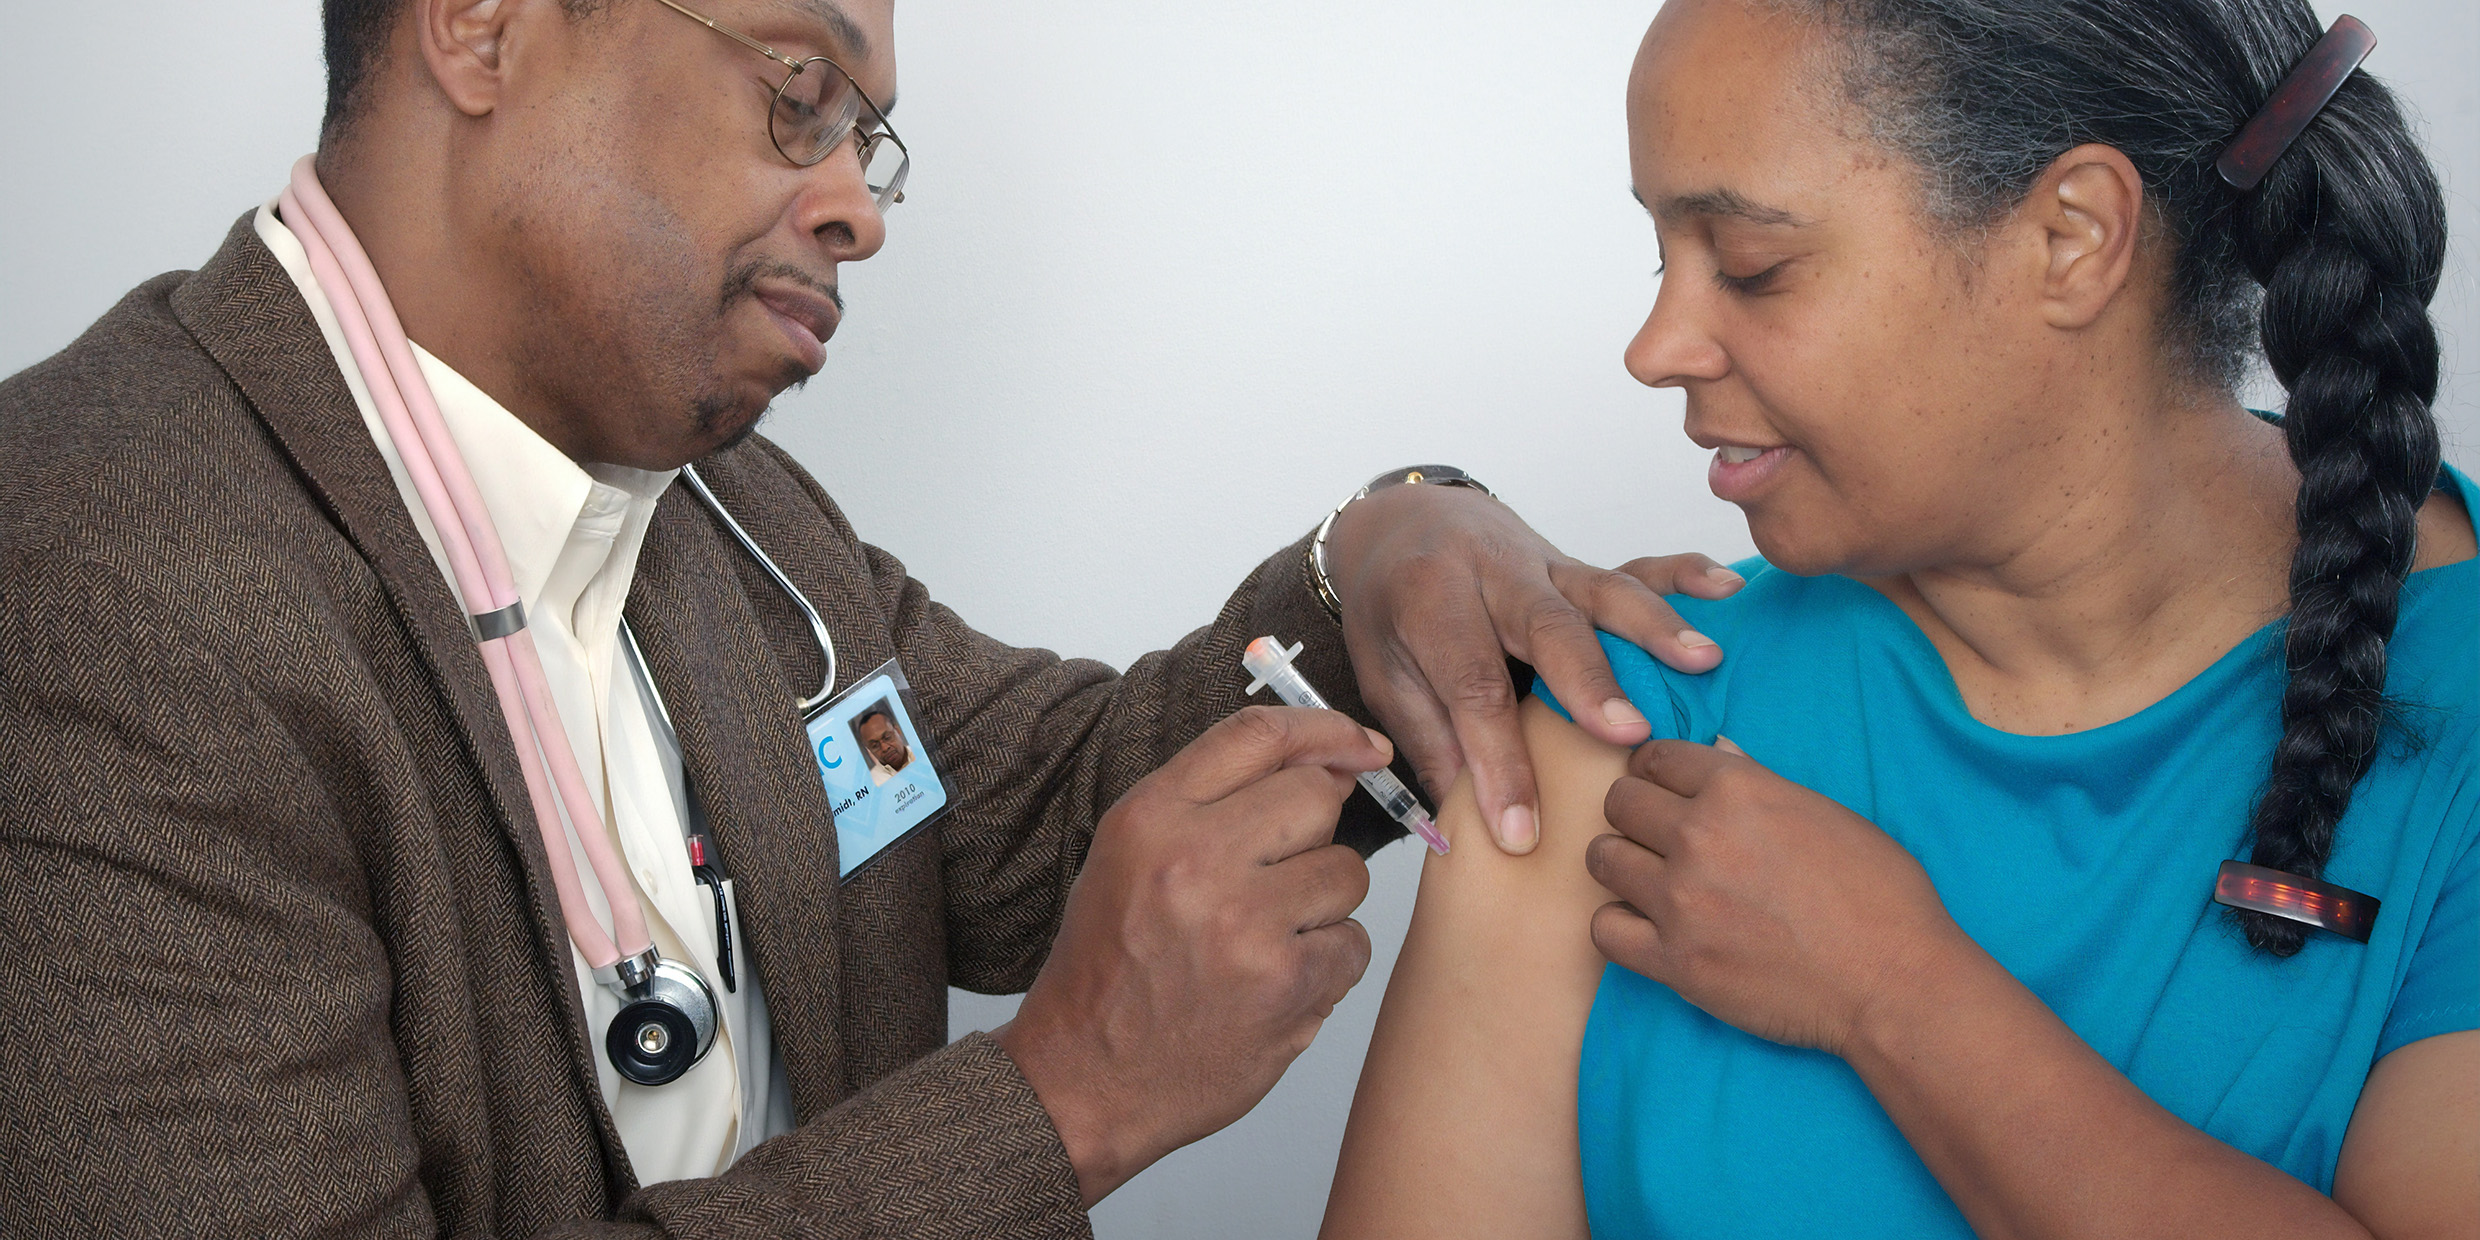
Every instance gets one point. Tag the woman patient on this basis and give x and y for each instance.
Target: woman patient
(2047, 627)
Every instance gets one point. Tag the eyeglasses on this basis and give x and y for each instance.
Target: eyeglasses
(817, 107)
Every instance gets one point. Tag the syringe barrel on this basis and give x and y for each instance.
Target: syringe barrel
(1271, 663)
(1390, 794)
(1267, 660)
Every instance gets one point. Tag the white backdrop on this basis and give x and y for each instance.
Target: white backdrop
(1171, 279)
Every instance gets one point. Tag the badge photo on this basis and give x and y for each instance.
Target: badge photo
(882, 781)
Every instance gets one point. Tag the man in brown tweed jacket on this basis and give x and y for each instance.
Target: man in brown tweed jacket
(286, 957)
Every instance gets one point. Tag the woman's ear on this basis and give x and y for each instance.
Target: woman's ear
(2089, 208)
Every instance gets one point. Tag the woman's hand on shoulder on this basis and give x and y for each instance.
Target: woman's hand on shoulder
(1768, 905)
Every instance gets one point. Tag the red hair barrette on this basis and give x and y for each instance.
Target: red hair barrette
(2295, 102)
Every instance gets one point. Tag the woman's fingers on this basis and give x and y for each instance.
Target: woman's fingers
(1628, 938)
(1645, 812)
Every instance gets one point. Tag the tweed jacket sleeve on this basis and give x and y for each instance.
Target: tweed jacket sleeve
(1038, 745)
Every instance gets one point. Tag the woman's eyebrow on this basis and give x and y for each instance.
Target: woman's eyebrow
(1726, 203)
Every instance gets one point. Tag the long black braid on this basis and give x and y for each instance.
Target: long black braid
(2329, 264)
(2347, 277)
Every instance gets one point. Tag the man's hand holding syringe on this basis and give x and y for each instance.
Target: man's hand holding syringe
(1271, 664)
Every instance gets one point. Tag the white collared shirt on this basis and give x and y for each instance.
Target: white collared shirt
(572, 535)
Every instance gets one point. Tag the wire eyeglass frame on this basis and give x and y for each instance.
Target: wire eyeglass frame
(868, 143)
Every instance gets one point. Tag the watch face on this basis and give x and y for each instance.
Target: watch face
(1435, 474)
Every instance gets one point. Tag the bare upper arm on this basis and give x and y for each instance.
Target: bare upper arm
(2410, 1166)
(1465, 1120)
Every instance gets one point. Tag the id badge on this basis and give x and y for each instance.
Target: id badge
(882, 783)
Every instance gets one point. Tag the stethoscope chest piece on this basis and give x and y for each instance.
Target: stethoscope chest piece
(667, 1023)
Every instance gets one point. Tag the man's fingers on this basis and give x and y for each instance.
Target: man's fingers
(1559, 641)
(1467, 669)
(1628, 938)
(1402, 700)
(1257, 741)
(1286, 813)
(1317, 888)
(1629, 602)
(1683, 767)
(1687, 573)
(1334, 958)
(1502, 771)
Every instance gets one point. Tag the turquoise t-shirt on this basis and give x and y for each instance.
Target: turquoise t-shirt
(2085, 864)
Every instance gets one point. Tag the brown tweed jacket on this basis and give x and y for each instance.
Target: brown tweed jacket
(283, 958)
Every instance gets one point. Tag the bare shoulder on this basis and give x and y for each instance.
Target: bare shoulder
(1465, 1120)
(1575, 773)
(2410, 1164)
(2445, 532)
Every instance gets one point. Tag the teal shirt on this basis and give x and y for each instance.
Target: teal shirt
(2085, 864)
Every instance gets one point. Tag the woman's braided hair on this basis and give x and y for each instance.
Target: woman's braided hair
(2329, 264)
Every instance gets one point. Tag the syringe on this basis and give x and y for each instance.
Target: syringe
(1271, 664)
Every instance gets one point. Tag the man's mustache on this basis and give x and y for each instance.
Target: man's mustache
(743, 279)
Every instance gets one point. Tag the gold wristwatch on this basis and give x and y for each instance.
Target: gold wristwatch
(1432, 475)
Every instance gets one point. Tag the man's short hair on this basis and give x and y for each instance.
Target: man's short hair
(355, 37)
(875, 712)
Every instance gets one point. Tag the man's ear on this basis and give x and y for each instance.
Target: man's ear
(460, 42)
(2089, 208)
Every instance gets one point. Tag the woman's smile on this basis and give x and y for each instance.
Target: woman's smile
(1740, 473)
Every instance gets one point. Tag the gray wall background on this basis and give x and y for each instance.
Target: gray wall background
(1144, 242)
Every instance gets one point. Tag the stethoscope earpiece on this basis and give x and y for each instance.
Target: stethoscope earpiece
(664, 1029)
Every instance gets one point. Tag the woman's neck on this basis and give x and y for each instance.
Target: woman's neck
(2168, 545)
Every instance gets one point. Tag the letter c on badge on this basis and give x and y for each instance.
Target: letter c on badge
(823, 759)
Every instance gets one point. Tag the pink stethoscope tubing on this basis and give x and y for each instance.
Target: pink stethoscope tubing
(480, 565)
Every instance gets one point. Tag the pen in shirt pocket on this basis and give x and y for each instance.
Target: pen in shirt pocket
(702, 864)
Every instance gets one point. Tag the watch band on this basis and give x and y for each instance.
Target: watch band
(1415, 475)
